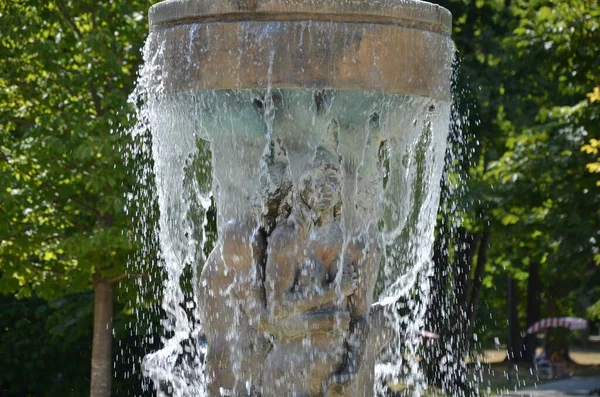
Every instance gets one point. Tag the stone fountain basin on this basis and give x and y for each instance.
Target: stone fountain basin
(395, 46)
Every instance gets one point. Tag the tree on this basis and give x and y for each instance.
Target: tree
(554, 230)
(530, 65)
(67, 70)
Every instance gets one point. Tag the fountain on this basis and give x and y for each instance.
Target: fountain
(318, 130)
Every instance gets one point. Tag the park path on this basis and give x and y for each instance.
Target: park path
(576, 386)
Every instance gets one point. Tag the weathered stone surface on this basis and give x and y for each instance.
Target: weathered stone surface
(259, 326)
(394, 46)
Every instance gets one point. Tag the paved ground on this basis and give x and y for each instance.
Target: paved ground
(576, 386)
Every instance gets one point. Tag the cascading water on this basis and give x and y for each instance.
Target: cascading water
(319, 191)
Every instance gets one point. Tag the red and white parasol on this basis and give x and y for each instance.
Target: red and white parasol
(428, 334)
(558, 322)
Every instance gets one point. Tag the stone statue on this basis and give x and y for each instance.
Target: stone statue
(268, 292)
(303, 261)
(231, 300)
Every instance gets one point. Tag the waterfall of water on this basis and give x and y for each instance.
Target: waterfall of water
(353, 175)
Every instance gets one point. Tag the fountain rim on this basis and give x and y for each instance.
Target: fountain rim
(410, 38)
(403, 13)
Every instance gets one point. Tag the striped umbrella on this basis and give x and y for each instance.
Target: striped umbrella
(429, 334)
(558, 322)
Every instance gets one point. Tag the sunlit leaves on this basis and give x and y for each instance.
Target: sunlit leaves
(593, 167)
(67, 70)
(592, 148)
(594, 95)
(530, 65)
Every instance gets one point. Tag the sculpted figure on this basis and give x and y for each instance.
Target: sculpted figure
(231, 300)
(294, 293)
(311, 275)
(368, 333)
(233, 305)
(303, 260)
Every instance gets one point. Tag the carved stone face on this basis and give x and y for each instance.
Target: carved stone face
(320, 187)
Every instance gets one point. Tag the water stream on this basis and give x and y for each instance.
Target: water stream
(250, 157)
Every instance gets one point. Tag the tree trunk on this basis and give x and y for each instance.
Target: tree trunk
(478, 277)
(534, 287)
(514, 337)
(102, 342)
(437, 311)
(465, 252)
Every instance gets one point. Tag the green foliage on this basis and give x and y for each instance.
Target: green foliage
(593, 146)
(45, 349)
(67, 70)
(546, 204)
(593, 311)
(530, 66)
